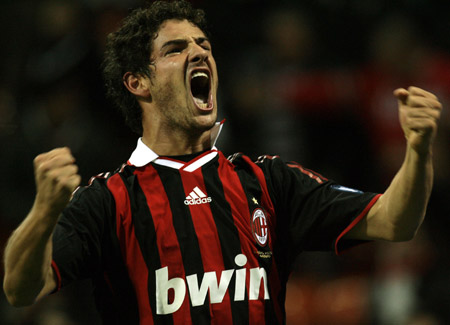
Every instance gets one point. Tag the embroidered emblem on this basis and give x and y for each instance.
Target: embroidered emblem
(259, 227)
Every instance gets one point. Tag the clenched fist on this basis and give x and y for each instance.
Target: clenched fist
(419, 112)
(56, 178)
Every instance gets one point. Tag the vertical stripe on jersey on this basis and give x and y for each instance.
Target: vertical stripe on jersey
(166, 239)
(130, 248)
(209, 243)
(117, 286)
(275, 309)
(228, 236)
(236, 196)
(185, 231)
(265, 199)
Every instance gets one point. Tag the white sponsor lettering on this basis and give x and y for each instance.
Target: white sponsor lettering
(209, 284)
(163, 285)
(239, 289)
(256, 275)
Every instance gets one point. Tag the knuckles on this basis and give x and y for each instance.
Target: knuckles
(425, 126)
(424, 102)
(69, 183)
(56, 176)
(57, 168)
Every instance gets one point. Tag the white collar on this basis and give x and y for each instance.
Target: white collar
(143, 155)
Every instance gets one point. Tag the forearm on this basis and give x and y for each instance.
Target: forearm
(401, 210)
(398, 214)
(28, 254)
(28, 257)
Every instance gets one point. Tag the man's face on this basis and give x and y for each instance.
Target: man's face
(184, 80)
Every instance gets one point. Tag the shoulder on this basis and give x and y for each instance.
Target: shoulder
(274, 165)
(241, 160)
(99, 185)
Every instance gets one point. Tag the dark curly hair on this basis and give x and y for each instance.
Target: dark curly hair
(128, 50)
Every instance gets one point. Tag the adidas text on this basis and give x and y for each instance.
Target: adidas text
(198, 201)
(197, 197)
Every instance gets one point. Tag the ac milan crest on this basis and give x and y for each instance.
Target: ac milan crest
(259, 227)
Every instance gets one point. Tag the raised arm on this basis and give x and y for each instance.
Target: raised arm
(28, 254)
(399, 212)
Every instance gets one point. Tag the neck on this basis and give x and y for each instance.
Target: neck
(176, 143)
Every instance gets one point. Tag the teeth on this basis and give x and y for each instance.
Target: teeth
(200, 103)
(199, 74)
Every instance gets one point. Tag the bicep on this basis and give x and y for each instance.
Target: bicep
(375, 225)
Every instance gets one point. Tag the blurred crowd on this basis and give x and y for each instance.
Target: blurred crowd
(311, 81)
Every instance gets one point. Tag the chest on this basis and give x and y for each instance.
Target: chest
(205, 218)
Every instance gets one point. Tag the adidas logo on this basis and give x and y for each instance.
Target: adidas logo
(197, 197)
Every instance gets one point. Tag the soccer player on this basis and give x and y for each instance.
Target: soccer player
(180, 234)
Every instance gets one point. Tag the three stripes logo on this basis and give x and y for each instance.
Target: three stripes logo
(197, 197)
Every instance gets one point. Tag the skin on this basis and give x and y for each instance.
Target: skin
(28, 272)
(399, 212)
(174, 125)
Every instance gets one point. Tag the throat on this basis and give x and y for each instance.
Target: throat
(187, 157)
(178, 143)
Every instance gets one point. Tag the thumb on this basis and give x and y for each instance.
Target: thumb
(402, 95)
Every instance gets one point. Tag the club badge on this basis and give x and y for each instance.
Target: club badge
(259, 227)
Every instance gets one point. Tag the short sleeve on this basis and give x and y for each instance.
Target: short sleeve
(78, 236)
(313, 211)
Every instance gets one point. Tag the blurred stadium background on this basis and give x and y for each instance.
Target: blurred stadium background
(309, 80)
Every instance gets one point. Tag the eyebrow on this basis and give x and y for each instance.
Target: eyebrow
(183, 41)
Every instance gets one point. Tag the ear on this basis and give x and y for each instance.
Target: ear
(137, 85)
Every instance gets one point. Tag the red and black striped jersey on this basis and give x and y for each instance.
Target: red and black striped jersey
(209, 241)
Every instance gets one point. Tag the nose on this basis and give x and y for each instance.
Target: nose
(198, 54)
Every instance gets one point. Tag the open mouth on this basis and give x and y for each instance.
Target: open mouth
(200, 89)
